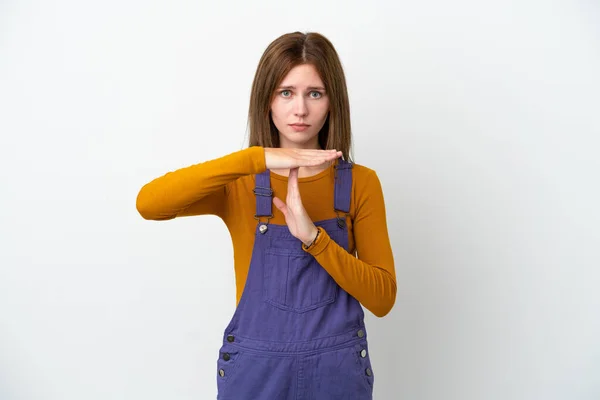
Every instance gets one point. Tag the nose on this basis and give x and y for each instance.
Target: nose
(300, 109)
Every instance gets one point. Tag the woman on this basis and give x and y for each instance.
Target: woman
(298, 330)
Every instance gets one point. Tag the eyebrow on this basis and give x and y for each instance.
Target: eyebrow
(309, 88)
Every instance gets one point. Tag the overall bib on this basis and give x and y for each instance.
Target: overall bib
(295, 334)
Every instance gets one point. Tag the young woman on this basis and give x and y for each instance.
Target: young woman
(303, 267)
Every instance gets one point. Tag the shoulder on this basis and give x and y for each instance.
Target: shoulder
(361, 170)
(367, 192)
(364, 176)
(366, 184)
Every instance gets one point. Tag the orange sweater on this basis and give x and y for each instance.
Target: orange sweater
(224, 187)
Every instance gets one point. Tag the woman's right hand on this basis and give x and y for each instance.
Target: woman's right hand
(284, 158)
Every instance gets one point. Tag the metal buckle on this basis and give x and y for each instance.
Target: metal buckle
(267, 189)
(262, 228)
(257, 217)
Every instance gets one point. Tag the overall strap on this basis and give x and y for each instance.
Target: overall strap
(264, 195)
(342, 190)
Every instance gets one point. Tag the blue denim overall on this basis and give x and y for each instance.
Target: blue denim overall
(295, 333)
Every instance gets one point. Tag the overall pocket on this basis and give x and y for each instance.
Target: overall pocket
(295, 281)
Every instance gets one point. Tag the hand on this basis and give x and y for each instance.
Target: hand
(296, 217)
(283, 158)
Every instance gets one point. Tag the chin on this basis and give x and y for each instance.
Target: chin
(299, 138)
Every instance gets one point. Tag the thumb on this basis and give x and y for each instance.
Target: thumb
(280, 205)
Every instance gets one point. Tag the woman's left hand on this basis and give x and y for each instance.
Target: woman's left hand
(296, 217)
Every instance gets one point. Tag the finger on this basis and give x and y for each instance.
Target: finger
(281, 206)
(313, 162)
(321, 155)
(293, 176)
(293, 183)
(328, 155)
(313, 151)
(317, 154)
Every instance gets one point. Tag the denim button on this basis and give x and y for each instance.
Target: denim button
(263, 228)
(361, 333)
(221, 372)
(363, 353)
(230, 338)
(369, 372)
(226, 357)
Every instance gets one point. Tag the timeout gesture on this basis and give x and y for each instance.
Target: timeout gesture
(296, 217)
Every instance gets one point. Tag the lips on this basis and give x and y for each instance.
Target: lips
(299, 127)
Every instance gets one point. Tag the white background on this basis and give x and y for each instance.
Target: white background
(480, 118)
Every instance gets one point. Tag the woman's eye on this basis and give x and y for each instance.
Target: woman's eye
(318, 95)
(285, 93)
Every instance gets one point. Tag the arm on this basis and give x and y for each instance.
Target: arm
(197, 189)
(372, 278)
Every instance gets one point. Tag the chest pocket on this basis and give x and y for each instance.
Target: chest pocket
(295, 281)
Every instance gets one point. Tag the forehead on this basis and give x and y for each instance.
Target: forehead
(302, 76)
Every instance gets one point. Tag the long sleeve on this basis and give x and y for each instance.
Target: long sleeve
(197, 189)
(371, 277)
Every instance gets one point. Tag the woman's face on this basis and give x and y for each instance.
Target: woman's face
(300, 108)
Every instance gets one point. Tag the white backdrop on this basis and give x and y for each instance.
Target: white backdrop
(481, 119)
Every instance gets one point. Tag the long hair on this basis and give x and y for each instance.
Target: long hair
(283, 54)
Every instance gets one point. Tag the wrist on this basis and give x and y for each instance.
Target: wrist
(313, 238)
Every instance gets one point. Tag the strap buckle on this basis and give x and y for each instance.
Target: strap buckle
(257, 217)
(260, 191)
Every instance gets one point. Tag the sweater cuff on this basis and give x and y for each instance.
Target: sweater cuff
(320, 244)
